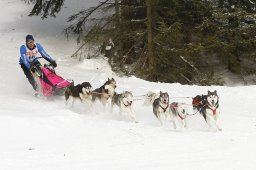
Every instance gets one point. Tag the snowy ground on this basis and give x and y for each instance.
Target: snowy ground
(47, 135)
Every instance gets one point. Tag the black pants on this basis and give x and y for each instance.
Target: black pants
(29, 76)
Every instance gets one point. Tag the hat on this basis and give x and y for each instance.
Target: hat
(29, 37)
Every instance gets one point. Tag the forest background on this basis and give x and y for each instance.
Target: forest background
(186, 41)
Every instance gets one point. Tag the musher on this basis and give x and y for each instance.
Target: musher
(28, 53)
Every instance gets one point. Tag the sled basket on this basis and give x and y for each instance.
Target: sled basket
(53, 84)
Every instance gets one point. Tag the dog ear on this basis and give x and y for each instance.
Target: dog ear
(160, 92)
(215, 91)
(108, 79)
(209, 92)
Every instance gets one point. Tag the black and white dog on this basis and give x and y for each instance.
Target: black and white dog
(104, 92)
(80, 91)
(208, 106)
(178, 113)
(124, 102)
(161, 106)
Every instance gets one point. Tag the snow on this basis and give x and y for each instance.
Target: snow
(47, 135)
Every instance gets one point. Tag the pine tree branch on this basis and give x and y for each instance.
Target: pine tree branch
(82, 18)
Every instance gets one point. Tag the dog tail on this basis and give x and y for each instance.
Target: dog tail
(155, 109)
(113, 99)
(68, 92)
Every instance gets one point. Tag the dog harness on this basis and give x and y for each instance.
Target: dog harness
(164, 109)
(213, 110)
(174, 106)
(181, 117)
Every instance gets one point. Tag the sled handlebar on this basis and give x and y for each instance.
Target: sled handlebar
(37, 67)
(36, 58)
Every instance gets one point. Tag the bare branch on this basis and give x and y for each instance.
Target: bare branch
(186, 61)
(75, 53)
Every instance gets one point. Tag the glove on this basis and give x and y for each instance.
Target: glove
(54, 64)
(33, 69)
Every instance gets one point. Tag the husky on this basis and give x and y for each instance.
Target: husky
(150, 98)
(83, 92)
(208, 106)
(105, 92)
(161, 106)
(178, 113)
(124, 102)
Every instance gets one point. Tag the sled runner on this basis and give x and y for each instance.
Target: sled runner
(50, 84)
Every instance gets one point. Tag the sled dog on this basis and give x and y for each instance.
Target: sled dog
(124, 102)
(208, 106)
(178, 113)
(80, 91)
(149, 98)
(105, 92)
(161, 105)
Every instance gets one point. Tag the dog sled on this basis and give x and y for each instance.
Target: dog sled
(49, 83)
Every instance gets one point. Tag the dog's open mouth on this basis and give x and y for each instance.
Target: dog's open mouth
(127, 103)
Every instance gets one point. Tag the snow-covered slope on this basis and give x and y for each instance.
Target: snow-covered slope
(47, 135)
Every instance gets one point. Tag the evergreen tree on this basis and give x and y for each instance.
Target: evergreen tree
(236, 22)
(181, 41)
(45, 8)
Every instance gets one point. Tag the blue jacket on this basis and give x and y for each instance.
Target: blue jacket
(27, 55)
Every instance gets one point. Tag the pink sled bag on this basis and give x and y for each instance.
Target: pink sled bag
(55, 82)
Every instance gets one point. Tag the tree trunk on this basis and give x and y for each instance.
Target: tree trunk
(117, 14)
(150, 53)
